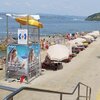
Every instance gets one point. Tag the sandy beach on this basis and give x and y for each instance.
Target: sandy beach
(85, 68)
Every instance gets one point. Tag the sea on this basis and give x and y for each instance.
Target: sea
(53, 24)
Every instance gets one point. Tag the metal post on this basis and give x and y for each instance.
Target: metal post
(27, 23)
(39, 51)
(28, 27)
(61, 96)
(20, 26)
(78, 92)
(6, 74)
(7, 25)
(86, 93)
(38, 35)
(90, 94)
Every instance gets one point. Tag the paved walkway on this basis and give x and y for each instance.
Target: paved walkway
(85, 68)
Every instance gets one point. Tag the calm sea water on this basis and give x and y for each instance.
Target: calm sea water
(54, 24)
(64, 24)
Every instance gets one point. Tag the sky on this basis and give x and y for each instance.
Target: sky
(58, 7)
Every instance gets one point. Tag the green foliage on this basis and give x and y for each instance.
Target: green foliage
(94, 17)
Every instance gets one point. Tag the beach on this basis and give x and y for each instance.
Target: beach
(85, 68)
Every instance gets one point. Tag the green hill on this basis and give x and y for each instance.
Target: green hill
(93, 17)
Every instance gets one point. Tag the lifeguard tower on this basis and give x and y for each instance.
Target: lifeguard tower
(23, 49)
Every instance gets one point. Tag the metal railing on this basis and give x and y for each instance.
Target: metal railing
(87, 95)
(8, 88)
